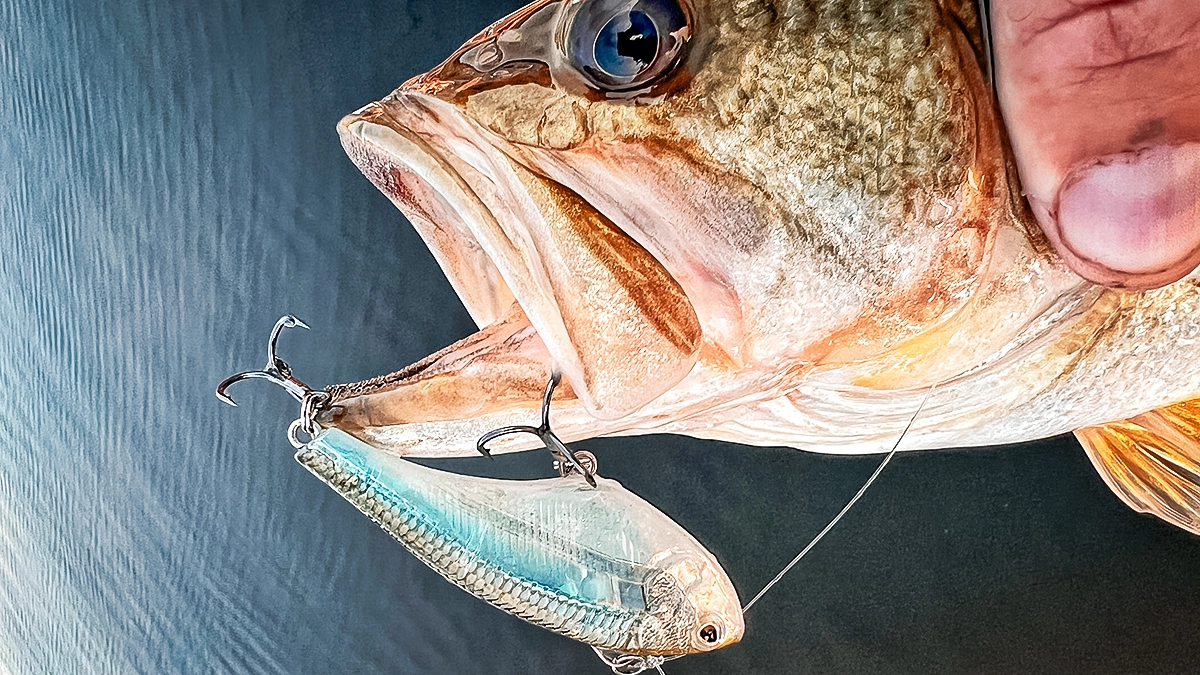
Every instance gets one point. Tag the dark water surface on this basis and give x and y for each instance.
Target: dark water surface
(171, 183)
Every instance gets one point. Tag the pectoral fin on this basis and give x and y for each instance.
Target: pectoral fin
(1152, 461)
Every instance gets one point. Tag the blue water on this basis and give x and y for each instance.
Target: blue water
(171, 183)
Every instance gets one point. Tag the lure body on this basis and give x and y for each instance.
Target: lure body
(599, 565)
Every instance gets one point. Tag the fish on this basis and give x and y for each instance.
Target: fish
(775, 223)
(594, 563)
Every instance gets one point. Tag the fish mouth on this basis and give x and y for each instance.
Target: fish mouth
(553, 283)
(426, 186)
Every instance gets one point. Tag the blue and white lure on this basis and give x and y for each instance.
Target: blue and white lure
(597, 564)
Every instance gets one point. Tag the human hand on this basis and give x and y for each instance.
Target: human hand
(1101, 99)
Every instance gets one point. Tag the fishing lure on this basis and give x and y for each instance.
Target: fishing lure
(597, 564)
(579, 554)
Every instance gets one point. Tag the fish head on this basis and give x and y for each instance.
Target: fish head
(691, 605)
(679, 204)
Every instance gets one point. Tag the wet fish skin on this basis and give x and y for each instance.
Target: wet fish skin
(598, 565)
(827, 185)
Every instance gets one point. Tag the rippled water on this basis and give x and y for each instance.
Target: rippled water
(171, 183)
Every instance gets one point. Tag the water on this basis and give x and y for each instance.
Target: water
(171, 183)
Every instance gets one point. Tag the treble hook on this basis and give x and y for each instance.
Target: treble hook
(276, 370)
(567, 460)
(629, 664)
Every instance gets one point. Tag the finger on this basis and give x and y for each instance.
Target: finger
(1102, 102)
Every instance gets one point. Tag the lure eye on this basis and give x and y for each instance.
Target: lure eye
(621, 45)
(710, 634)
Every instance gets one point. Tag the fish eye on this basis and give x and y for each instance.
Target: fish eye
(710, 633)
(621, 45)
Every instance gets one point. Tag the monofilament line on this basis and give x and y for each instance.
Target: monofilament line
(861, 491)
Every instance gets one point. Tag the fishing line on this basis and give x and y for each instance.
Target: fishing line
(625, 664)
(657, 665)
(861, 491)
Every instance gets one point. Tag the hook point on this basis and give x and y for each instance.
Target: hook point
(276, 370)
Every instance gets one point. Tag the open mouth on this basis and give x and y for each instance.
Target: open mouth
(552, 281)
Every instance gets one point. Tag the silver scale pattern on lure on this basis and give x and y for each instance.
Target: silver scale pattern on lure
(586, 622)
(518, 545)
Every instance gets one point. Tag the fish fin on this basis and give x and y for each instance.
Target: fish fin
(1152, 461)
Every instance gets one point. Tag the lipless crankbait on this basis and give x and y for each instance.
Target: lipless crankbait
(579, 555)
(597, 564)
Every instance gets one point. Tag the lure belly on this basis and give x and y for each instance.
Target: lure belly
(599, 565)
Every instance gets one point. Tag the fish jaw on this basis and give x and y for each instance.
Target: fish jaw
(503, 233)
(675, 347)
